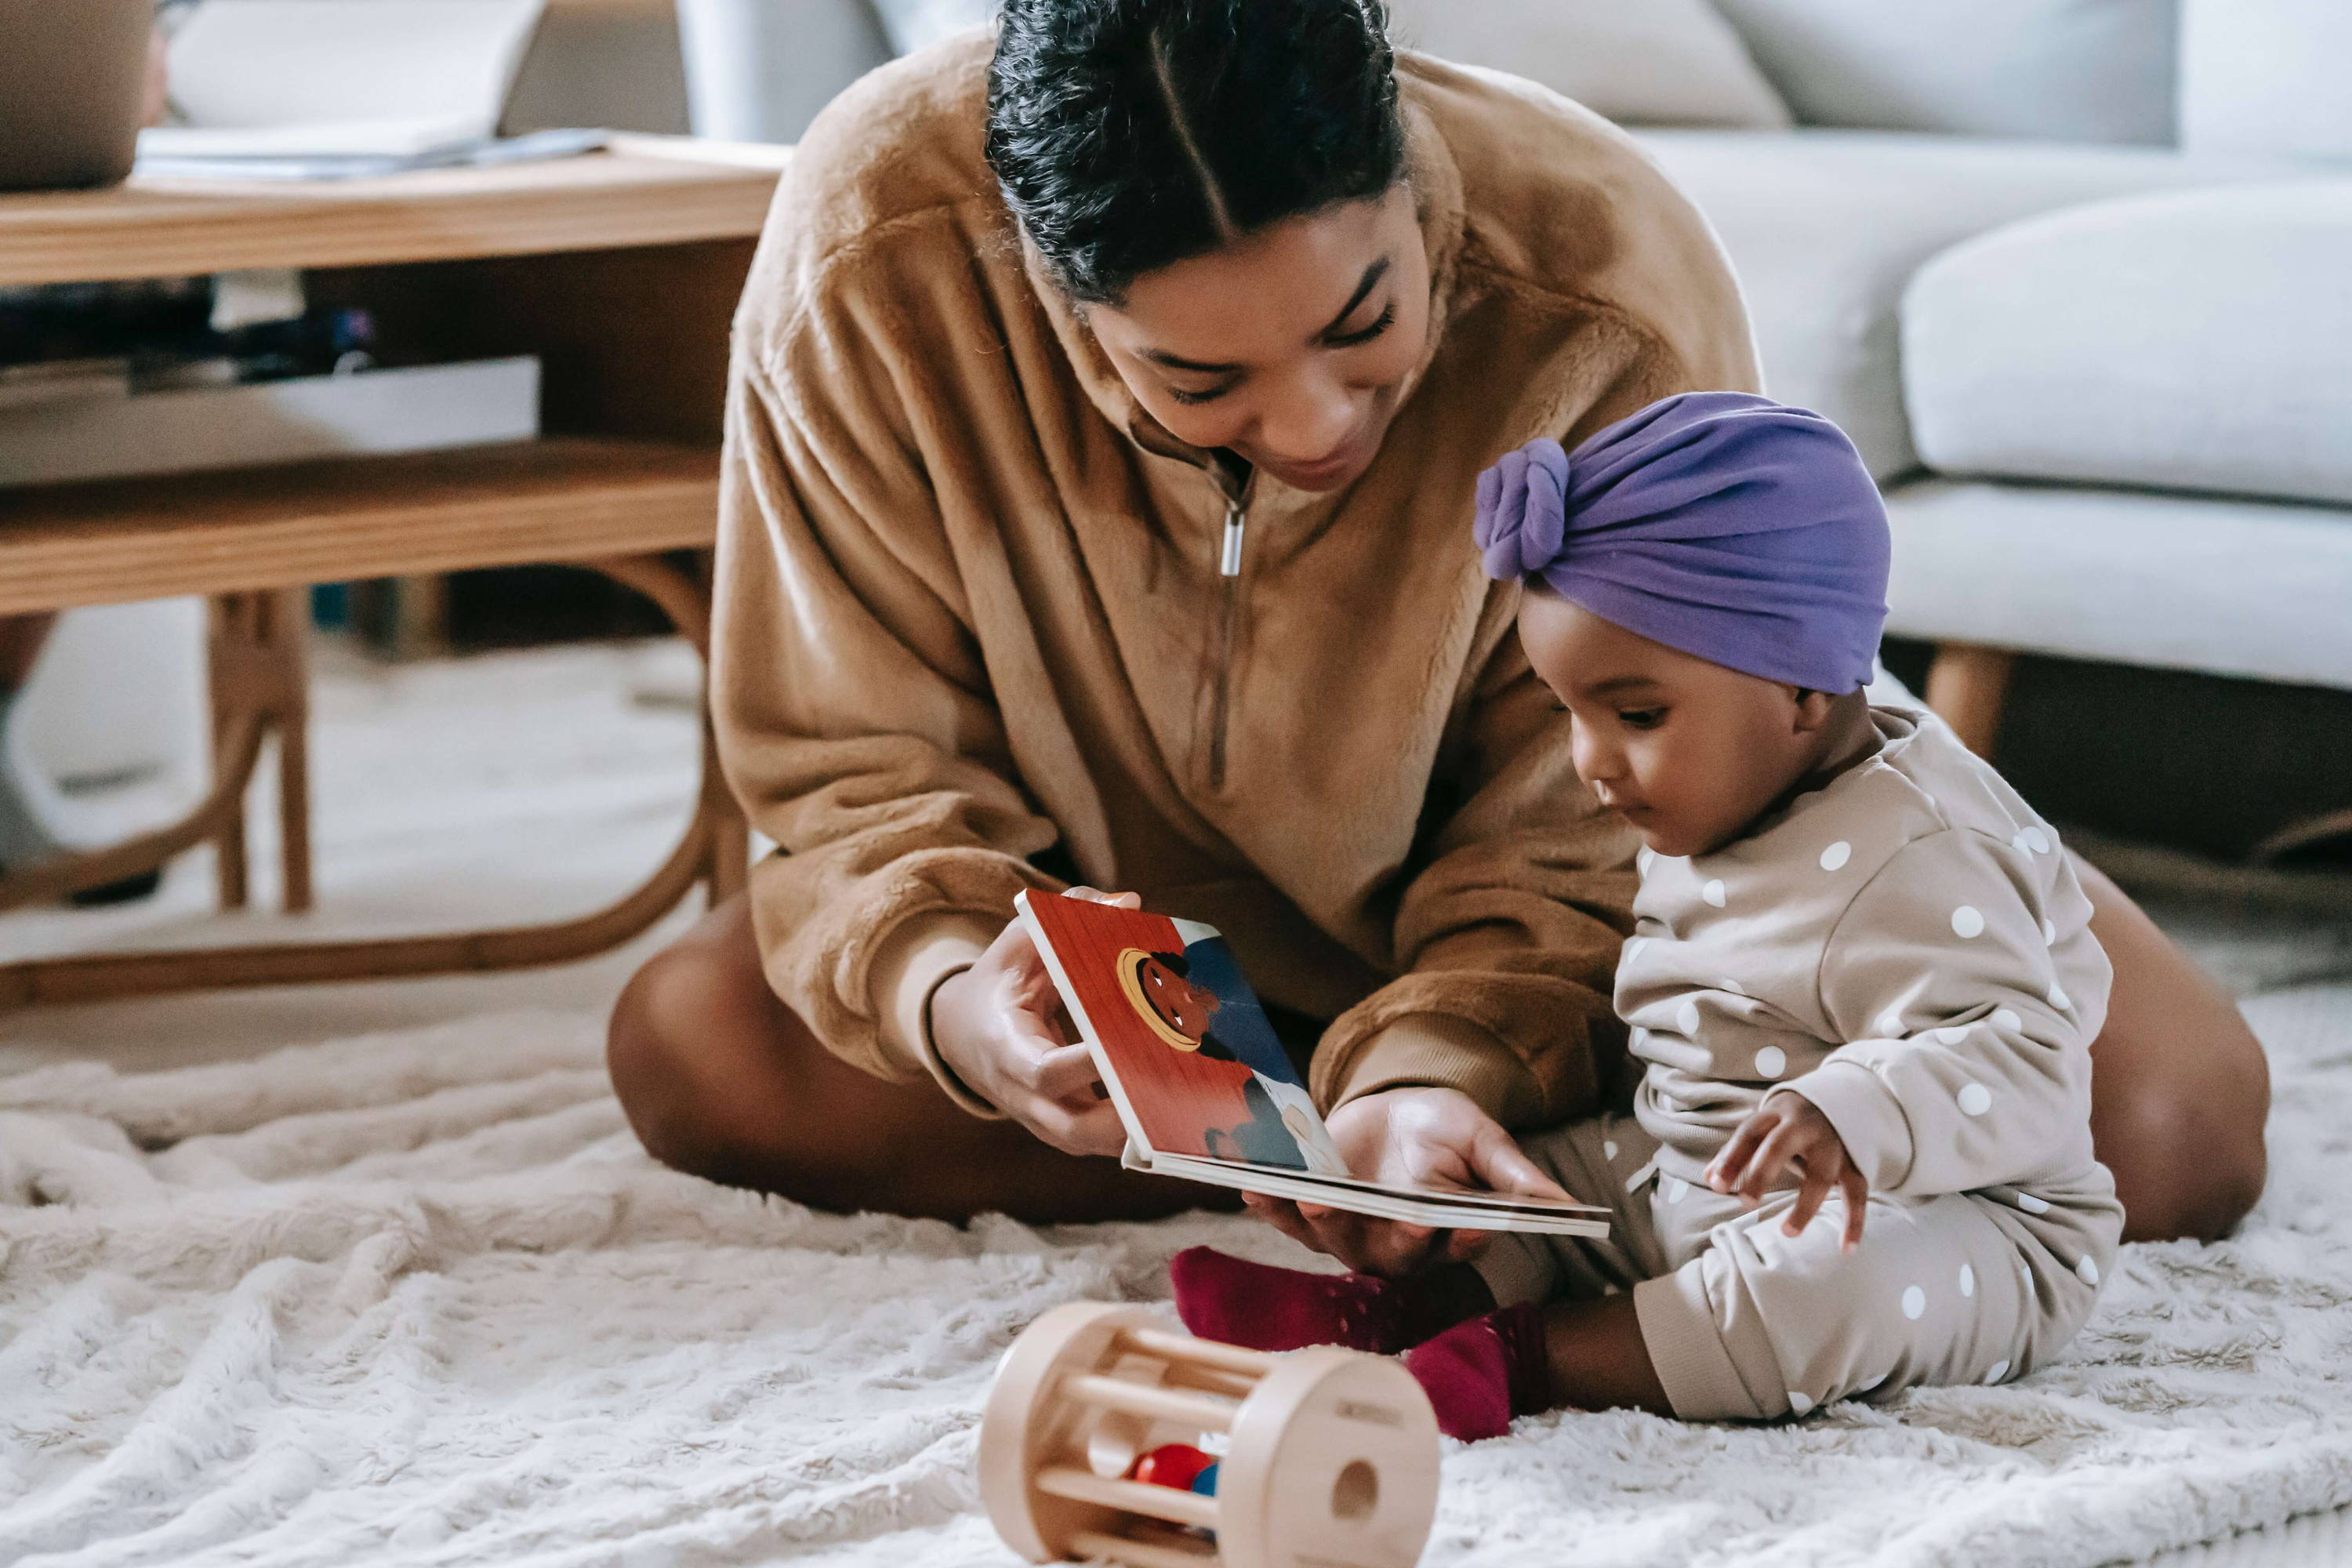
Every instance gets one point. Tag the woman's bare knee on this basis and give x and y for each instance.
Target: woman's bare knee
(701, 1052)
(720, 1079)
(2188, 1165)
(670, 1002)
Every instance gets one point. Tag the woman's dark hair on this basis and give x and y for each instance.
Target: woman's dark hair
(1130, 134)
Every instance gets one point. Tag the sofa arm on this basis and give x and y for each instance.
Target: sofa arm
(2189, 341)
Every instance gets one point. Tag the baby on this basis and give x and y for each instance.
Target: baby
(1860, 971)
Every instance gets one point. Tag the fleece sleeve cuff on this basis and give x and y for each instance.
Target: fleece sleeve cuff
(915, 960)
(1868, 1118)
(1433, 1050)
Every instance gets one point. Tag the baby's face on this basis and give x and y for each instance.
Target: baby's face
(1689, 752)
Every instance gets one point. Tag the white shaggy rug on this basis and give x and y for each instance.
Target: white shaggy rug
(420, 1299)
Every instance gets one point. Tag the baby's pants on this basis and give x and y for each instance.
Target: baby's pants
(1742, 1322)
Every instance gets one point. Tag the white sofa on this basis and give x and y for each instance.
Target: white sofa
(2106, 379)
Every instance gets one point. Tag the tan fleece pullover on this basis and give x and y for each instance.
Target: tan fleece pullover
(976, 628)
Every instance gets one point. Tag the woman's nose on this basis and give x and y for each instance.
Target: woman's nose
(1311, 420)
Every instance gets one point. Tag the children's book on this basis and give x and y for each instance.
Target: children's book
(1205, 1087)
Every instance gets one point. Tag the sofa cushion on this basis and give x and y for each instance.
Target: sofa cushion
(1650, 62)
(2197, 340)
(1825, 228)
(2070, 70)
(918, 23)
(2266, 76)
(2230, 587)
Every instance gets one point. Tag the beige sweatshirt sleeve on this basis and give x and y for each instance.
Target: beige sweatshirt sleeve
(1970, 996)
(855, 721)
(1509, 936)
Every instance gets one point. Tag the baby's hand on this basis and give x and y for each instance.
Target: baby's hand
(1789, 1130)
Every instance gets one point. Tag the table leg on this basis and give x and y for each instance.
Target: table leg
(290, 625)
(228, 654)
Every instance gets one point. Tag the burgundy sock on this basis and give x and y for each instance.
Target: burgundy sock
(1481, 1373)
(1268, 1309)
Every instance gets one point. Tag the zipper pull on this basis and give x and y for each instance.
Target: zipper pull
(1229, 561)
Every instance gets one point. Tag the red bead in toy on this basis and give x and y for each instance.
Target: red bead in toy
(1171, 1465)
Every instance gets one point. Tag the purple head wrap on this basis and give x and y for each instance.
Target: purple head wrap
(1727, 525)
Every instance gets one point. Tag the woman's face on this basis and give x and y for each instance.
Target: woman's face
(1288, 347)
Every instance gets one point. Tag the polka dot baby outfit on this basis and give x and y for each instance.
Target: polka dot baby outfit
(1909, 949)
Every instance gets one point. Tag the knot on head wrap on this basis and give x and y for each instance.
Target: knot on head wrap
(1739, 529)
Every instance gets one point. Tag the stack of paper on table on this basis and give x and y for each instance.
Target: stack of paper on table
(335, 89)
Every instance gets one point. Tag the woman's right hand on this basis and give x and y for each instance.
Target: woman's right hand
(998, 1027)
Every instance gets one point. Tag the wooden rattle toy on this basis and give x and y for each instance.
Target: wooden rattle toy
(1110, 1438)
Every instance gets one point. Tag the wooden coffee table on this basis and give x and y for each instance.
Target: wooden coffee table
(620, 270)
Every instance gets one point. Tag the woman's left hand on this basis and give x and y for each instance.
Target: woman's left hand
(1410, 1137)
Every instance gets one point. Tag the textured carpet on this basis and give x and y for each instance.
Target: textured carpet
(415, 1296)
(419, 1298)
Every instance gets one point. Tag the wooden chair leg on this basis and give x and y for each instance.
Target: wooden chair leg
(1966, 685)
(227, 651)
(289, 629)
(730, 838)
(730, 869)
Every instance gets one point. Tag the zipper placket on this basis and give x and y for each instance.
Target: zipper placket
(1229, 569)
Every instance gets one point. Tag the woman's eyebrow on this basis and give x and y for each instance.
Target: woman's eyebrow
(1370, 280)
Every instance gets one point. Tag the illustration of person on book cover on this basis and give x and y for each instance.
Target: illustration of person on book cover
(1196, 1002)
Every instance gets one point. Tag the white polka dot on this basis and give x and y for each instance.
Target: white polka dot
(1966, 922)
(1609, 1149)
(1968, 1280)
(2037, 841)
(1975, 1099)
(2089, 1269)
(1998, 1371)
(1890, 1024)
(1953, 1034)
(1686, 1019)
(1632, 950)
(1836, 854)
(1803, 1404)
(2025, 1277)
(1713, 891)
(1676, 1189)
(2058, 997)
(1643, 857)
(1771, 1062)
(1914, 1302)
(2048, 934)
(2031, 1204)
(2007, 1021)
(1727, 984)
(2017, 842)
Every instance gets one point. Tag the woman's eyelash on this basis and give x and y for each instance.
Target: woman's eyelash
(1350, 340)
(1353, 340)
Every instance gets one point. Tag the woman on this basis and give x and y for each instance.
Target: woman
(1105, 419)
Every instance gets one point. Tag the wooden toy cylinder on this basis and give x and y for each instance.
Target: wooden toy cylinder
(1329, 1459)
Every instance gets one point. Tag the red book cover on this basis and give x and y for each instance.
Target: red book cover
(1193, 1057)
